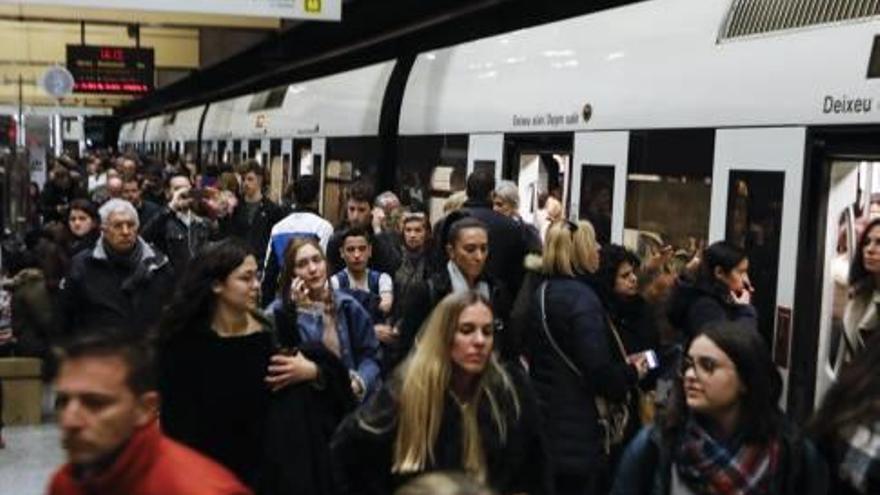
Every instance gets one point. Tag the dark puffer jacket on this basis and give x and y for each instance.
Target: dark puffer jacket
(646, 466)
(102, 293)
(257, 230)
(578, 322)
(694, 305)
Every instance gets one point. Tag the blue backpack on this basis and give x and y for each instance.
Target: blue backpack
(369, 299)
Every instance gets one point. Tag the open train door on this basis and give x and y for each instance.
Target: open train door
(756, 202)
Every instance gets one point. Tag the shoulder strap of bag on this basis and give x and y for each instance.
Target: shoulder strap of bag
(565, 359)
(617, 339)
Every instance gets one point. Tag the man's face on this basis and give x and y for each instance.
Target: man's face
(357, 213)
(121, 232)
(356, 253)
(128, 168)
(97, 411)
(251, 184)
(114, 187)
(131, 192)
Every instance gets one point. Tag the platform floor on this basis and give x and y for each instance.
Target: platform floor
(31, 455)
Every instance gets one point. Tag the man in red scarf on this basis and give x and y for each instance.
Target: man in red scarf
(107, 403)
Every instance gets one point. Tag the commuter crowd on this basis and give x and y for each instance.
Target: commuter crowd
(203, 339)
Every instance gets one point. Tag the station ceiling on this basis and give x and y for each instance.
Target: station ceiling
(370, 31)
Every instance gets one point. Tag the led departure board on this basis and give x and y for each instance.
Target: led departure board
(111, 69)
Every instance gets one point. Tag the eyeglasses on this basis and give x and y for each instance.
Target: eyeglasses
(703, 366)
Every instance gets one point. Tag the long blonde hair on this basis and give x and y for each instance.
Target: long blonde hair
(424, 382)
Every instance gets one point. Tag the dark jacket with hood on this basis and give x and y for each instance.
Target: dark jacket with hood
(121, 292)
(647, 463)
(577, 321)
(694, 305)
(363, 447)
(425, 296)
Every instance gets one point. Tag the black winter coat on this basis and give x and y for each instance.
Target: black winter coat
(693, 305)
(100, 293)
(257, 232)
(362, 448)
(578, 322)
(216, 401)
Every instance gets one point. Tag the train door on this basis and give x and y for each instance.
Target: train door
(540, 164)
(599, 182)
(277, 180)
(253, 150)
(756, 202)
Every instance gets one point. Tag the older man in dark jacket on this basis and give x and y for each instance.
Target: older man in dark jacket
(121, 283)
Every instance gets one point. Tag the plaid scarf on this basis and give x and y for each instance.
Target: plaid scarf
(710, 468)
(858, 449)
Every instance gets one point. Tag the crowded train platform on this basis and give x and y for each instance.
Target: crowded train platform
(339, 247)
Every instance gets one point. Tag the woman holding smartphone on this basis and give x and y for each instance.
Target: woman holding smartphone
(326, 317)
(721, 291)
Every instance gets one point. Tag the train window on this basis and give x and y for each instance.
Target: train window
(431, 169)
(754, 220)
(236, 151)
(347, 159)
(669, 189)
(597, 198)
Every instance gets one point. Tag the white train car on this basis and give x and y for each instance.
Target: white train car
(665, 122)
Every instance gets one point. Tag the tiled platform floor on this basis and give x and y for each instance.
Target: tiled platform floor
(31, 455)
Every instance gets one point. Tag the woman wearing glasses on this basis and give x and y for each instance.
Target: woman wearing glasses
(724, 431)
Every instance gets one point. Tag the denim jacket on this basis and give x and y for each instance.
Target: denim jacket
(358, 344)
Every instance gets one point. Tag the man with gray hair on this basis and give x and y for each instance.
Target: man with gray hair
(121, 283)
(505, 200)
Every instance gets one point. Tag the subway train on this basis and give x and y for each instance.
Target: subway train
(664, 122)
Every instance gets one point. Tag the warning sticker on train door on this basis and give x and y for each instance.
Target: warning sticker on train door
(782, 341)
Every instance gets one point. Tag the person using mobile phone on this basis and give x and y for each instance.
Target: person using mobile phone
(326, 317)
(720, 291)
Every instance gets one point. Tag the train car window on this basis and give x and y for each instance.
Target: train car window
(253, 148)
(597, 198)
(754, 222)
(431, 169)
(346, 160)
(668, 191)
(221, 151)
(874, 62)
(236, 151)
(269, 99)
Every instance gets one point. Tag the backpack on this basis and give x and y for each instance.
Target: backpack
(368, 299)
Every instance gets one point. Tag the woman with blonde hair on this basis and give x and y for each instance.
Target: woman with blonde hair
(450, 406)
(577, 364)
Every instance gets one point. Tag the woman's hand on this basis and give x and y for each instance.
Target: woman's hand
(299, 293)
(640, 363)
(386, 333)
(287, 370)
